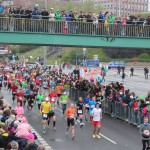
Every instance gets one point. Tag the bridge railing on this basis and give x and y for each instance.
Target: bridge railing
(13, 24)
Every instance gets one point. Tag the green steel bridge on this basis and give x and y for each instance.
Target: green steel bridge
(74, 33)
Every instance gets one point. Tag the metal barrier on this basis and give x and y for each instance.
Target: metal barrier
(13, 24)
(115, 109)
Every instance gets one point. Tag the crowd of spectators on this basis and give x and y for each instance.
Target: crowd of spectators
(96, 22)
(118, 97)
(15, 132)
(58, 15)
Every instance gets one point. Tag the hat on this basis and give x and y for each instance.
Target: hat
(46, 99)
(142, 97)
(131, 97)
(31, 146)
(30, 136)
(52, 8)
(36, 5)
(121, 93)
(53, 100)
(24, 120)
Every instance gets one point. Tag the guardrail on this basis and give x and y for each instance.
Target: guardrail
(28, 25)
(115, 109)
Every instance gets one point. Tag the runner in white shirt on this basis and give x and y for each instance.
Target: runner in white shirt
(97, 116)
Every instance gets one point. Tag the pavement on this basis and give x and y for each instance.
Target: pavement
(115, 134)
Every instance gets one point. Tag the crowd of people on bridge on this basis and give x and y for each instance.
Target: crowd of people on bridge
(46, 89)
(59, 21)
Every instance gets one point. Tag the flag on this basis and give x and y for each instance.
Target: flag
(135, 61)
(13, 59)
(23, 62)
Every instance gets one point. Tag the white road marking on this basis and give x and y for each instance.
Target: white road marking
(105, 137)
(39, 138)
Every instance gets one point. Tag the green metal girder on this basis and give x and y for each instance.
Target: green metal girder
(73, 40)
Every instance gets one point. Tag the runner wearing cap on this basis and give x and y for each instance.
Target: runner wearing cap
(40, 98)
(45, 108)
(59, 89)
(64, 100)
(51, 113)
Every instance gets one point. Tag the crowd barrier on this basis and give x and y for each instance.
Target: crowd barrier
(115, 109)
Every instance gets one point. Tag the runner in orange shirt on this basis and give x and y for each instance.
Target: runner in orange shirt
(71, 114)
(59, 89)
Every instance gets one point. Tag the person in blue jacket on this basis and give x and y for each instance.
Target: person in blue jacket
(87, 107)
(92, 104)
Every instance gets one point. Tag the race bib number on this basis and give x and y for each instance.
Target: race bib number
(72, 116)
(146, 132)
(92, 106)
(86, 105)
(45, 115)
(20, 98)
(79, 111)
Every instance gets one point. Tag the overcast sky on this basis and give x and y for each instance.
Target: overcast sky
(149, 6)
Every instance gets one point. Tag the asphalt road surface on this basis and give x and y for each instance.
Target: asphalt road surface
(116, 134)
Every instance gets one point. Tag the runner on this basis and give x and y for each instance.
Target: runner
(97, 116)
(86, 104)
(14, 91)
(145, 131)
(45, 108)
(9, 81)
(5, 80)
(20, 96)
(92, 106)
(64, 100)
(59, 89)
(53, 94)
(1, 82)
(39, 98)
(30, 99)
(71, 113)
(51, 113)
(80, 105)
(99, 99)
(19, 110)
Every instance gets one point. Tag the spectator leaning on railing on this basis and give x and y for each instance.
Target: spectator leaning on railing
(1, 8)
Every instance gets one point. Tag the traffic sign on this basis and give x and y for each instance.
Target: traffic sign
(84, 49)
(95, 57)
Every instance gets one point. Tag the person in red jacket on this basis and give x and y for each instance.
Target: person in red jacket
(14, 88)
(20, 96)
(9, 82)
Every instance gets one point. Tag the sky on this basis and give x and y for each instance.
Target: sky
(149, 6)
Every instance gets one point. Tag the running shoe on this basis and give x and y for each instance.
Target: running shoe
(98, 136)
(73, 137)
(66, 133)
(54, 128)
(44, 131)
(94, 136)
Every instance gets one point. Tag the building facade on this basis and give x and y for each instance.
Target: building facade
(125, 7)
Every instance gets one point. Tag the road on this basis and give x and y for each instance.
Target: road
(116, 135)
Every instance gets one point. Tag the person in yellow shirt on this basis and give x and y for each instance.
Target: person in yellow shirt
(45, 108)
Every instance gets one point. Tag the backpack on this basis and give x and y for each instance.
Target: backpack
(4, 118)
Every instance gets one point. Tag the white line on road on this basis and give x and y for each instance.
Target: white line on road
(108, 139)
(39, 138)
(105, 137)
